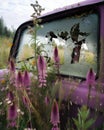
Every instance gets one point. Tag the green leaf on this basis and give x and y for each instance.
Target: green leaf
(76, 122)
(89, 123)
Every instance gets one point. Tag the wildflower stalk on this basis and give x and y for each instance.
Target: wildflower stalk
(37, 12)
(35, 46)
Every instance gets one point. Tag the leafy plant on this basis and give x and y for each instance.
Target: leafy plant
(83, 122)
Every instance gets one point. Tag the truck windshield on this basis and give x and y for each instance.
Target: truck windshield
(77, 41)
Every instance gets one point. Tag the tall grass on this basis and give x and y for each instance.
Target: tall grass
(26, 52)
(5, 45)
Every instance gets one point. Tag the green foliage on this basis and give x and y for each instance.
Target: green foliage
(1, 26)
(5, 45)
(83, 123)
(6, 36)
(4, 31)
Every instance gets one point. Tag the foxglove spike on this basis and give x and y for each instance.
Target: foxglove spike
(55, 114)
(10, 96)
(90, 78)
(56, 56)
(25, 101)
(47, 100)
(55, 128)
(26, 79)
(19, 79)
(12, 124)
(41, 64)
(12, 112)
(42, 72)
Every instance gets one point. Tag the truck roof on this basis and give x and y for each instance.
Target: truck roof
(73, 6)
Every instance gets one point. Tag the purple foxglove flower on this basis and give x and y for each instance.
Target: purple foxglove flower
(56, 57)
(10, 96)
(25, 101)
(12, 66)
(55, 128)
(19, 79)
(90, 78)
(12, 112)
(12, 124)
(47, 100)
(26, 79)
(55, 114)
(42, 72)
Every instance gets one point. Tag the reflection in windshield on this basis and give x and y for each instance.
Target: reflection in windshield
(76, 39)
